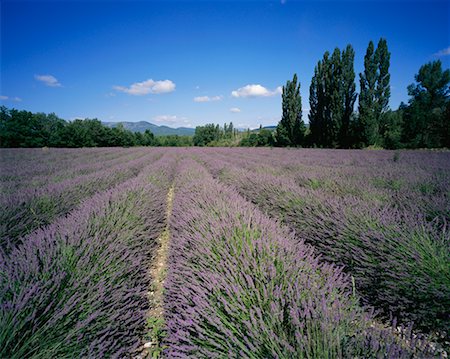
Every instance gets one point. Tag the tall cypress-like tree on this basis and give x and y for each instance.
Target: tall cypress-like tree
(332, 96)
(349, 95)
(291, 128)
(383, 90)
(375, 92)
(315, 111)
(319, 102)
(367, 126)
(336, 94)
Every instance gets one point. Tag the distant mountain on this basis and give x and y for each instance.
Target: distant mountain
(245, 129)
(141, 126)
(255, 130)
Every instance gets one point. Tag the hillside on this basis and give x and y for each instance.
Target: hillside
(141, 126)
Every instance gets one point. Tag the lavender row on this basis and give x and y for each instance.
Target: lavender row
(31, 208)
(411, 181)
(78, 288)
(43, 170)
(400, 260)
(18, 163)
(240, 285)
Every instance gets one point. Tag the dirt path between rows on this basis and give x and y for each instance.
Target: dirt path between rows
(155, 318)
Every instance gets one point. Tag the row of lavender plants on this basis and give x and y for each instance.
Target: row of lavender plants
(78, 287)
(30, 208)
(20, 163)
(413, 181)
(398, 256)
(239, 285)
(44, 170)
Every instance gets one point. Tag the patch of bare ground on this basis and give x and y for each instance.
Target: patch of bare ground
(152, 347)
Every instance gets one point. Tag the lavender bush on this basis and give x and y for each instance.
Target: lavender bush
(51, 168)
(270, 251)
(26, 209)
(398, 255)
(239, 285)
(77, 288)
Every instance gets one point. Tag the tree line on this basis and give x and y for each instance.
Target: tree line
(213, 135)
(422, 123)
(27, 129)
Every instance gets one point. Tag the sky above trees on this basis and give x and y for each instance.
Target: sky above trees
(191, 63)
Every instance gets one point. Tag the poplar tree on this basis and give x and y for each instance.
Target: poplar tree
(332, 96)
(319, 102)
(335, 92)
(383, 90)
(367, 125)
(349, 95)
(375, 92)
(291, 128)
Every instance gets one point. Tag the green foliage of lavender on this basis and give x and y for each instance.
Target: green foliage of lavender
(28, 206)
(78, 287)
(240, 285)
(385, 221)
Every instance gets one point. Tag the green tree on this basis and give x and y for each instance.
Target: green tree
(21, 129)
(332, 97)
(383, 90)
(391, 128)
(265, 137)
(318, 103)
(148, 139)
(25, 129)
(335, 91)
(349, 96)
(291, 128)
(427, 122)
(375, 93)
(250, 140)
(205, 134)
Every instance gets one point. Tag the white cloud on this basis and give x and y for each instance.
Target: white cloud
(443, 52)
(146, 87)
(48, 80)
(235, 110)
(7, 98)
(207, 98)
(255, 90)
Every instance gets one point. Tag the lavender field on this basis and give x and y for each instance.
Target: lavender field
(224, 253)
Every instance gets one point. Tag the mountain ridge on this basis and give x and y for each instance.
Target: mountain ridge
(163, 130)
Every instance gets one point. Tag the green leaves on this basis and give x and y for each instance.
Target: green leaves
(427, 117)
(375, 93)
(332, 96)
(291, 128)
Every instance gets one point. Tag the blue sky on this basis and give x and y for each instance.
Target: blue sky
(191, 63)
